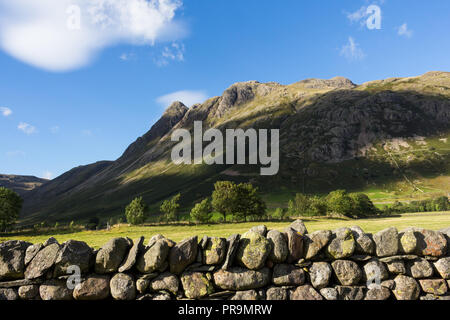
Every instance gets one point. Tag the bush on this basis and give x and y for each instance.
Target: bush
(202, 211)
(170, 207)
(10, 206)
(135, 211)
(340, 202)
(362, 205)
(93, 223)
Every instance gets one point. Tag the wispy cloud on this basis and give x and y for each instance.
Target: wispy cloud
(5, 111)
(86, 132)
(174, 52)
(352, 51)
(65, 35)
(15, 153)
(47, 175)
(358, 15)
(188, 97)
(404, 31)
(54, 129)
(27, 128)
(126, 56)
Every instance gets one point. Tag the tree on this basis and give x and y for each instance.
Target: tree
(300, 205)
(248, 202)
(362, 205)
(202, 211)
(224, 198)
(340, 202)
(442, 203)
(135, 211)
(317, 206)
(170, 207)
(10, 206)
(93, 223)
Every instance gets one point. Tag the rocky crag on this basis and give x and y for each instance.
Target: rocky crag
(261, 264)
(334, 134)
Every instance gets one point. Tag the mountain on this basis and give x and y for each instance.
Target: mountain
(387, 134)
(20, 184)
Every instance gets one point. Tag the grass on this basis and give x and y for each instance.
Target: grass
(431, 220)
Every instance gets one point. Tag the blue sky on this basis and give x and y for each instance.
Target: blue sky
(69, 99)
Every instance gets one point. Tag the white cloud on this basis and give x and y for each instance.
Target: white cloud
(404, 31)
(5, 111)
(86, 132)
(15, 153)
(174, 52)
(358, 15)
(126, 56)
(188, 97)
(352, 51)
(65, 35)
(26, 128)
(47, 175)
(54, 129)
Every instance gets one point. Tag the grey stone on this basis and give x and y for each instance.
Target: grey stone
(347, 272)
(253, 250)
(9, 294)
(314, 242)
(143, 282)
(443, 267)
(32, 251)
(94, 287)
(246, 295)
(111, 255)
(406, 288)
(42, 262)
(153, 258)
(55, 289)
(131, 258)
(408, 242)
(329, 293)
(430, 243)
(437, 287)
(320, 274)
(390, 284)
(351, 292)
(299, 227)
(183, 254)
(276, 293)
(386, 242)
(12, 259)
(19, 283)
(122, 287)
(262, 230)
(233, 246)
(419, 268)
(241, 279)
(196, 285)
(214, 251)
(165, 282)
(288, 275)
(381, 293)
(396, 267)
(364, 242)
(50, 241)
(72, 253)
(280, 250)
(342, 244)
(295, 244)
(29, 292)
(375, 270)
(306, 292)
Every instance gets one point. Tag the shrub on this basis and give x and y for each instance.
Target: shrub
(10, 206)
(170, 207)
(202, 211)
(93, 223)
(135, 211)
(340, 202)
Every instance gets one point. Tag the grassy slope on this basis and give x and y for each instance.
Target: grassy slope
(435, 221)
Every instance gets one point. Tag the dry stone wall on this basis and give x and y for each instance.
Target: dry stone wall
(344, 264)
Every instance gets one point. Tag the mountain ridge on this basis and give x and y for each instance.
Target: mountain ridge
(320, 121)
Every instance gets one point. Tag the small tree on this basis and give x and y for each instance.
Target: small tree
(93, 223)
(300, 205)
(340, 202)
(362, 205)
(170, 207)
(10, 206)
(224, 198)
(318, 206)
(202, 211)
(248, 202)
(135, 211)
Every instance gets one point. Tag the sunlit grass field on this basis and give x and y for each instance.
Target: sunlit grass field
(177, 232)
